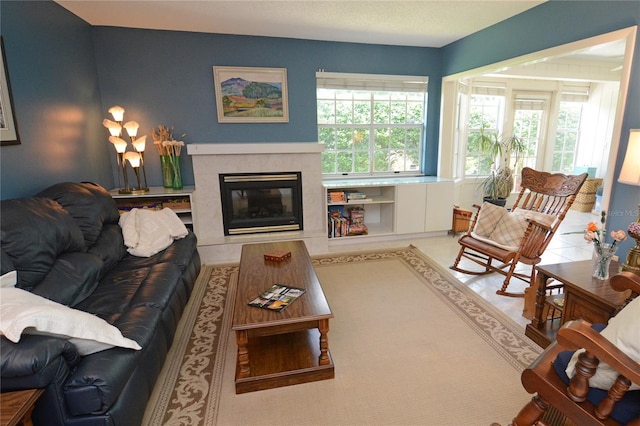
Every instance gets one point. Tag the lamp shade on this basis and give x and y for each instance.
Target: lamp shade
(139, 143)
(119, 144)
(630, 173)
(133, 158)
(113, 127)
(131, 127)
(117, 112)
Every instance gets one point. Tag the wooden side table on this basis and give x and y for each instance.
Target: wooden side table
(16, 407)
(584, 297)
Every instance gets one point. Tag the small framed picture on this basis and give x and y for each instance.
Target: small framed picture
(251, 95)
(8, 127)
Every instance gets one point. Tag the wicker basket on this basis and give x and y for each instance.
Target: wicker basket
(586, 198)
(461, 219)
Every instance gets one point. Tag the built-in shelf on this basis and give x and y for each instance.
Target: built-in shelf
(392, 206)
(179, 200)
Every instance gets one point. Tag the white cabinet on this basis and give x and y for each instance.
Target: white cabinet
(439, 207)
(411, 205)
(393, 207)
(179, 200)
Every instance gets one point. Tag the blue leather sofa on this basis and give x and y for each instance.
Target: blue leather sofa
(67, 246)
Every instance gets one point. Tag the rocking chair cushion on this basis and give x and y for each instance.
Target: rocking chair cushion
(488, 219)
(623, 331)
(506, 229)
(511, 228)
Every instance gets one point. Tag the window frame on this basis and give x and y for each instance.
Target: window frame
(373, 85)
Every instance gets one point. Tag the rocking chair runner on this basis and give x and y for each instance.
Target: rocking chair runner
(542, 192)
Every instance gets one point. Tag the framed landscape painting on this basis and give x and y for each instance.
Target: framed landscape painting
(8, 128)
(251, 95)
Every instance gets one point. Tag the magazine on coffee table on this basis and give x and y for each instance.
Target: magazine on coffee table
(277, 297)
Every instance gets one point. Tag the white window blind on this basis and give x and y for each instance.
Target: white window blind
(371, 82)
(575, 92)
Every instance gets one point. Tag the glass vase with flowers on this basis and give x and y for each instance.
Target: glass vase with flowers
(603, 252)
(169, 151)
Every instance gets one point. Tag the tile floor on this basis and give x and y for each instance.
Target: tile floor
(567, 245)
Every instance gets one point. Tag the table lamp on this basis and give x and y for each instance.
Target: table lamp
(630, 175)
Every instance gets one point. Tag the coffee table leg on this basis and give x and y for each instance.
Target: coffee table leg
(323, 327)
(242, 339)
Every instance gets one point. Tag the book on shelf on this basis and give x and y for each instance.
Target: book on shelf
(359, 200)
(337, 197)
(356, 195)
(277, 297)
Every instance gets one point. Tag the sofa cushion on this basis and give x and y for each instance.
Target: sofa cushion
(109, 247)
(25, 312)
(72, 278)
(41, 220)
(89, 204)
(125, 288)
(6, 264)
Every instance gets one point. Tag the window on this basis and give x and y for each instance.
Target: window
(485, 113)
(567, 135)
(371, 124)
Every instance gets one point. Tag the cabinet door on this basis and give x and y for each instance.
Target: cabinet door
(411, 203)
(439, 206)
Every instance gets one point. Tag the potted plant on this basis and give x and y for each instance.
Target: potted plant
(498, 185)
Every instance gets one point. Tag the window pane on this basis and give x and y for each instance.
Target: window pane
(328, 138)
(329, 162)
(371, 131)
(345, 162)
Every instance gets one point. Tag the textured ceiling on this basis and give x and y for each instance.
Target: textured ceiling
(433, 23)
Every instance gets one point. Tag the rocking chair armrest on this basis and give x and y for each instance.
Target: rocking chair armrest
(474, 219)
(536, 238)
(579, 334)
(626, 281)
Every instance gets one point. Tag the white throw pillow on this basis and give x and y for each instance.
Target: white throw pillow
(488, 219)
(623, 331)
(9, 279)
(24, 312)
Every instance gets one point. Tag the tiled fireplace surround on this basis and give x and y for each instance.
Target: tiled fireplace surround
(210, 160)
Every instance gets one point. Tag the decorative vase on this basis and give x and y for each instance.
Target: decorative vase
(633, 257)
(177, 174)
(602, 255)
(167, 171)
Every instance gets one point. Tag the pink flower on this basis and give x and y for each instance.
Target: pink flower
(589, 236)
(619, 235)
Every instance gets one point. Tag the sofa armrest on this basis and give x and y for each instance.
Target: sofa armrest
(35, 361)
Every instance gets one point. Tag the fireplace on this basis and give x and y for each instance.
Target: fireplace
(261, 202)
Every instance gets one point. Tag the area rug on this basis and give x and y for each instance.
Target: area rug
(411, 345)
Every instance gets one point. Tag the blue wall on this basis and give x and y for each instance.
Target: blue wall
(56, 97)
(66, 74)
(166, 77)
(551, 24)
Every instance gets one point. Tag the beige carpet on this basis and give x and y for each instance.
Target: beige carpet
(411, 345)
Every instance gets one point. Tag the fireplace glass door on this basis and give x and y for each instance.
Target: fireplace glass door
(261, 202)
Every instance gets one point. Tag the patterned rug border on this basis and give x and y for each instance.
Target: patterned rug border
(188, 388)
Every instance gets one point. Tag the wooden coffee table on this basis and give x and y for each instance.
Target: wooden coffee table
(280, 348)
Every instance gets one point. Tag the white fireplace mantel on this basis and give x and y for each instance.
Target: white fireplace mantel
(253, 148)
(213, 159)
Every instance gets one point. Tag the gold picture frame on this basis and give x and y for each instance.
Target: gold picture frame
(8, 128)
(251, 95)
